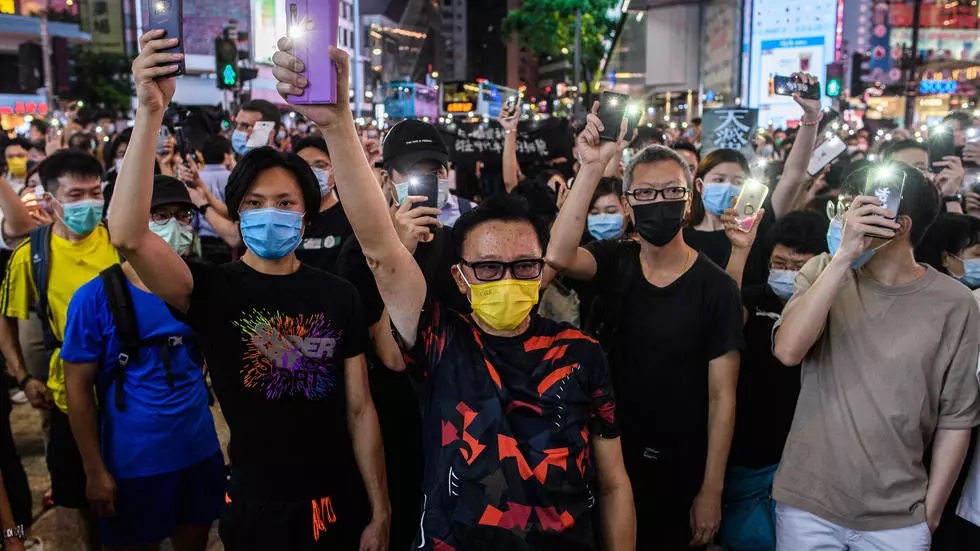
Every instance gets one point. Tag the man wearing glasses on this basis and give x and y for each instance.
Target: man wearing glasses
(671, 322)
(152, 461)
(519, 421)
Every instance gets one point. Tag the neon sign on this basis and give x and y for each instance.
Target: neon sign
(938, 87)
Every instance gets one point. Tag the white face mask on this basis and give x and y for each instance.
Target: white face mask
(119, 165)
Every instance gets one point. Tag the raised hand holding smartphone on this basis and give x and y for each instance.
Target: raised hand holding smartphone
(312, 26)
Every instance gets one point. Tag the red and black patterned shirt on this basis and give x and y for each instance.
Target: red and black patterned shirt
(507, 423)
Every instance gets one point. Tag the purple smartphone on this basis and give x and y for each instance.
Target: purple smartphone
(312, 24)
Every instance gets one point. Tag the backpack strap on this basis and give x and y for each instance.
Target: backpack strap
(124, 315)
(40, 249)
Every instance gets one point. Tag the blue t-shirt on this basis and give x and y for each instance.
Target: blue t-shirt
(163, 429)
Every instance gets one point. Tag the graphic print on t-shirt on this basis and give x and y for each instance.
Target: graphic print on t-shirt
(289, 355)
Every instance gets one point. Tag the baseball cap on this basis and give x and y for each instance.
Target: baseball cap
(168, 190)
(411, 141)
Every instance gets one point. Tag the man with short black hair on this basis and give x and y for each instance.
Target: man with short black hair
(83, 142)
(329, 228)
(250, 113)
(218, 158)
(889, 351)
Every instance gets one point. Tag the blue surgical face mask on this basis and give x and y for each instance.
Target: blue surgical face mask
(834, 235)
(83, 216)
(238, 141)
(718, 197)
(323, 177)
(605, 226)
(782, 283)
(971, 273)
(271, 233)
(178, 235)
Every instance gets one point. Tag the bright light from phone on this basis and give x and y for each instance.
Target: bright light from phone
(884, 172)
(160, 6)
(613, 101)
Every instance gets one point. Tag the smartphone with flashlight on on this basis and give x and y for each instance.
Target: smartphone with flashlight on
(941, 144)
(612, 109)
(887, 185)
(312, 25)
(750, 200)
(787, 86)
(424, 185)
(169, 16)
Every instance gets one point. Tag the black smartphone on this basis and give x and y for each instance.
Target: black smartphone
(612, 109)
(512, 105)
(424, 185)
(634, 112)
(181, 148)
(787, 86)
(887, 184)
(169, 16)
(941, 144)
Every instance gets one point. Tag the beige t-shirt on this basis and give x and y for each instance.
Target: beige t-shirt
(892, 366)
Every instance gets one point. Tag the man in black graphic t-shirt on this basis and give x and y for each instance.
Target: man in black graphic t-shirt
(284, 343)
(519, 421)
(328, 229)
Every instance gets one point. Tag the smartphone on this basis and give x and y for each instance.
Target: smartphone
(260, 134)
(750, 200)
(312, 25)
(787, 86)
(886, 184)
(941, 144)
(831, 148)
(612, 109)
(634, 112)
(424, 185)
(169, 16)
(181, 148)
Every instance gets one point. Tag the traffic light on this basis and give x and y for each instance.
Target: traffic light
(226, 63)
(860, 73)
(835, 80)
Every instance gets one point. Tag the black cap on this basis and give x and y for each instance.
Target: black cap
(168, 190)
(411, 141)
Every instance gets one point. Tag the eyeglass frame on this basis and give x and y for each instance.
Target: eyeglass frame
(189, 214)
(506, 267)
(657, 193)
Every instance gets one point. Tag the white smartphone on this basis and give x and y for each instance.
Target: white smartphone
(829, 150)
(750, 200)
(260, 134)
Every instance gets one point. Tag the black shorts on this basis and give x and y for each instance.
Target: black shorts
(65, 465)
(249, 524)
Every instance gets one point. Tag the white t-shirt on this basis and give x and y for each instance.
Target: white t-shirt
(969, 505)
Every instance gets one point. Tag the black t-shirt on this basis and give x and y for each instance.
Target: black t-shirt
(716, 246)
(664, 341)
(324, 238)
(275, 347)
(507, 423)
(767, 390)
(435, 258)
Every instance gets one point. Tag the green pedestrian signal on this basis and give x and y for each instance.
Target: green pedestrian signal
(833, 88)
(229, 76)
(835, 80)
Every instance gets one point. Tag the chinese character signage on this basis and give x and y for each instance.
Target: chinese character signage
(103, 19)
(728, 128)
(537, 141)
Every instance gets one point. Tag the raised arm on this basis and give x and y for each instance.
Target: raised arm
(159, 266)
(805, 318)
(511, 167)
(564, 253)
(399, 278)
(17, 221)
(792, 184)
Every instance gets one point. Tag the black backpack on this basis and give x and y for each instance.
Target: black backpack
(124, 315)
(40, 248)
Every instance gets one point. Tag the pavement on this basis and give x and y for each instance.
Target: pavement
(61, 529)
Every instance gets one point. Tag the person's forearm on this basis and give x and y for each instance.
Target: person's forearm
(511, 166)
(385, 345)
(84, 421)
(370, 457)
(721, 426)
(10, 347)
(17, 219)
(217, 205)
(612, 167)
(954, 207)
(949, 449)
(7, 521)
(566, 234)
(802, 325)
(364, 203)
(618, 518)
(791, 187)
(225, 228)
(129, 223)
(736, 264)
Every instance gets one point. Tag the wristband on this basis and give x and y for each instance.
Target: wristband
(804, 122)
(203, 209)
(22, 384)
(15, 532)
(957, 198)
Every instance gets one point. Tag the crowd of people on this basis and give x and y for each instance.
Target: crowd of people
(608, 357)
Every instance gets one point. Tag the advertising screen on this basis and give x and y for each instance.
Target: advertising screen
(788, 36)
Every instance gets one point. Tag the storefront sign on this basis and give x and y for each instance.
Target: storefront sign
(728, 128)
(938, 87)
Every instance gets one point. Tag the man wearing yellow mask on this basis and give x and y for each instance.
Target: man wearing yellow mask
(520, 434)
(15, 155)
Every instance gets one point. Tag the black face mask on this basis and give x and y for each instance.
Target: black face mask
(658, 223)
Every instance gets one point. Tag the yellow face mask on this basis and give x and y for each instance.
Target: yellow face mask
(503, 304)
(17, 166)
